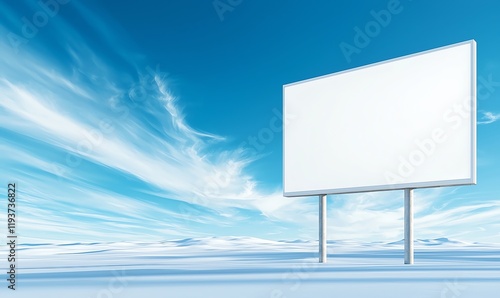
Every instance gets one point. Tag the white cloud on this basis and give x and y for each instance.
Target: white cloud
(488, 117)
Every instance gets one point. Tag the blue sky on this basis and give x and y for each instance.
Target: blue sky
(150, 120)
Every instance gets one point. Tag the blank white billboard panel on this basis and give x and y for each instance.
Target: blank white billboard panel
(408, 122)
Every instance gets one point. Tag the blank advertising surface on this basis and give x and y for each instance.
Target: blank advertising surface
(408, 122)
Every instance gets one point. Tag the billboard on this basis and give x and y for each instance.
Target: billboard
(408, 122)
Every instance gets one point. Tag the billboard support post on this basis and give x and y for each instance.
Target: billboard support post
(322, 229)
(408, 230)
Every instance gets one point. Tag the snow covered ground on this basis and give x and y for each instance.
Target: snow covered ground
(250, 267)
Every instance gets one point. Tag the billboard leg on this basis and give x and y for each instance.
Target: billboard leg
(408, 226)
(322, 228)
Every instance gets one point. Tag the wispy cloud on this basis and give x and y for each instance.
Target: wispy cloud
(94, 157)
(488, 117)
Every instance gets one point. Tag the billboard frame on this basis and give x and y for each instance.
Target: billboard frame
(398, 186)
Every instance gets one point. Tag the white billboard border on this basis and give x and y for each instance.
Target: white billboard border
(441, 183)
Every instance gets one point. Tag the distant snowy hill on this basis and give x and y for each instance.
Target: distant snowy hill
(252, 267)
(436, 242)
